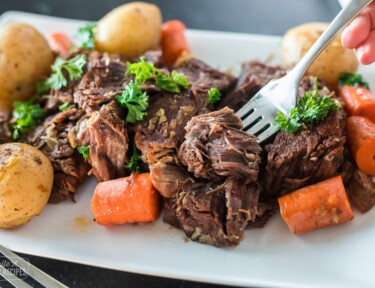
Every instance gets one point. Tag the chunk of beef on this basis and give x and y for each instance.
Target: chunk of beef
(217, 214)
(214, 146)
(51, 137)
(103, 80)
(306, 157)
(163, 127)
(107, 137)
(5, 127)
(253, 77)
(361, 190)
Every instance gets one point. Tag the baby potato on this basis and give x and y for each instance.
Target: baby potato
(329, 64)
(130, 29)
(26, 178)
(25, 59)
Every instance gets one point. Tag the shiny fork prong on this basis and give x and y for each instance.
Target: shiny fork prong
(266, 134)
(252, 119)
(246, 110)
(258, 127)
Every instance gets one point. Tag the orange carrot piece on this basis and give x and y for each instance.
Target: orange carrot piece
(358, 101)
(131, 199)
(60, 43)
(316, 206)
(361, 142)
(173, 41)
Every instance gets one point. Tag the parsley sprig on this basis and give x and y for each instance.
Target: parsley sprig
(85, 36)
(62, 72)
(135, 101)
(214, 95)
(142, 70)
(84, 150)
(355, 80)
(25, 114)
(135, 161)
(171, 83)
(65, 106)
(310, 109)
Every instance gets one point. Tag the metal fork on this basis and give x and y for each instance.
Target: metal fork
(259, 113)
(27, 269)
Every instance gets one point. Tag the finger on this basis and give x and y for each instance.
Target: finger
(366, 51)
(357, 31)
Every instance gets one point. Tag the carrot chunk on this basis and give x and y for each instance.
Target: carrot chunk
(60, 43)
(131, 199)
(358, 101)
(173, 41)
(316, 206)
(361, 142)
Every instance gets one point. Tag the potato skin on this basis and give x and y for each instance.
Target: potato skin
(130, 29)
(329, 64)
(26, 178)
(25, 59)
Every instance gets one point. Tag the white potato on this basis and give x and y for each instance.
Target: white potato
(25, 59)
(26, 178)
(130, 29)
(329, 64)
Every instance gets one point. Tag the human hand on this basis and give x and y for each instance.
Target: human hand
(360, 35)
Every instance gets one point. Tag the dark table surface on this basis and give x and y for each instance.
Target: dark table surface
(272, 17)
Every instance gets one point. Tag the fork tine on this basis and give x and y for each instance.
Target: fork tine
(251, 118)
(267, 133)
(257, 127)
(246, 108)
(31, 270)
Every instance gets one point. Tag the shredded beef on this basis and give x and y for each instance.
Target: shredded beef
(361, 190)
(105, 134)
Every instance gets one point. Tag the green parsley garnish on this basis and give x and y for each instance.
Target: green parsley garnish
(172, 82)
(65, 106)
(85, 36)
(311, 108)
(142, 70)
(73, 69)
(135, 101)
(355, 80)
(135, 161)
(214, 95)
(84, 150)
(25, 114)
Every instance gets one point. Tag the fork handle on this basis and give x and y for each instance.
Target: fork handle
(344, 17)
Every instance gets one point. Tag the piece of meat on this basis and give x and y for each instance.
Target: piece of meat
(104, 79)
(5, 126)
(105, 134)
(214, 146)
(253, 77)
(217, 214)
(51, 137)
(167, 115)
(361, 191)
(305, 157)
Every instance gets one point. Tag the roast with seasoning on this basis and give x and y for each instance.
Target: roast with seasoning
(157, 129)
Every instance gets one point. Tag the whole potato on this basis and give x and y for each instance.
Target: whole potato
(329, 64)
(25, 59)
(26, 178)
(130, 29)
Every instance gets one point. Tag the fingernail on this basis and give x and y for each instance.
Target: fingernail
(360, 51)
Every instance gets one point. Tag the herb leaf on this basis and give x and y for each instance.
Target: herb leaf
(84, 150)
(85, 36)
(65, 106)
(355, 80)
(142, 70)
(25, 114)
(72, 67)
(135, 161)
(214, 95)
(311, 108)
(135, 101)
(172, 82)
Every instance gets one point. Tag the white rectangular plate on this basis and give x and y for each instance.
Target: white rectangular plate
(340, 256)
